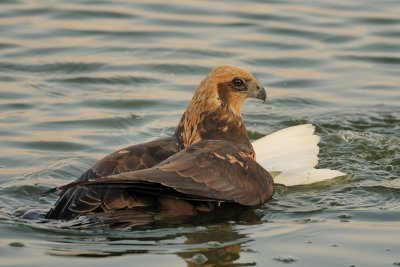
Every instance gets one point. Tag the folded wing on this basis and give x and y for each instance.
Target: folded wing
(77, 200)
(208, 171)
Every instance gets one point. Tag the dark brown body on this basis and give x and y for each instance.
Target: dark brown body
(208, 160)
(133, 158)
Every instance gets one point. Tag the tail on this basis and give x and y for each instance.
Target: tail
(291, 154)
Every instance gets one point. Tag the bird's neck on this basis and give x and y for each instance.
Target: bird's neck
(208, 119)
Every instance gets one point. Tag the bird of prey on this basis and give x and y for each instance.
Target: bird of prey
(208, 161)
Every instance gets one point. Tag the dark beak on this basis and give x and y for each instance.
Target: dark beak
(261, 94)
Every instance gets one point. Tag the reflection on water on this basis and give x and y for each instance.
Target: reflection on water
(213, 239)
(216, 253)
(79, 79)
(193, 247)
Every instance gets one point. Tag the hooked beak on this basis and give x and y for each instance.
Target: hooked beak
(261, 94)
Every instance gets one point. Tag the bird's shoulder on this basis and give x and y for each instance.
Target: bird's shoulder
(133, 158)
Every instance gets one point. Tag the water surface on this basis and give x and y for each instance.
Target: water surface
(80, 79)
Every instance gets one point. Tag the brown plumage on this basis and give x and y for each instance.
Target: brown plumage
(208, 160)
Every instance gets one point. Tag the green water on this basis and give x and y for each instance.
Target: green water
(80, 79)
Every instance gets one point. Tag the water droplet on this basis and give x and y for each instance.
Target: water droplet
(344, 216)
(198, 259)
(250, 250)
(286, 258)
(214, 244)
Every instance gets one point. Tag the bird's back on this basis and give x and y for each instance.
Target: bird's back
(77, 200)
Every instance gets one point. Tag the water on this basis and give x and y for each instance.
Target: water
(79, 79)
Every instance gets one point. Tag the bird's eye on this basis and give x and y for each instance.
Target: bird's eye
(238, 83)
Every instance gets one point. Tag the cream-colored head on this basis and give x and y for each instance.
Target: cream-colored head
(214, 111)
(229, 86)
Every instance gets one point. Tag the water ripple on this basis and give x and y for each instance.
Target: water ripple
(62, 67)
(80, 79)
(129, 34)
(377, 21)
(372, 59)
(127, 80)
(91, 14)
(114, 122)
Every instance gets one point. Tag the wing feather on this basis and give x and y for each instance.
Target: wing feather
(198, 171)
(211, 170)
(76, 200)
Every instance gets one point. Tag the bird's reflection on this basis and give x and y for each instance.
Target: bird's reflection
(224, 242)
(211, 239)
(223, 246)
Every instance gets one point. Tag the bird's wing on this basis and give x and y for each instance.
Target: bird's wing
(209, 170)
(128, 159)
(136, 157)
(291, 154)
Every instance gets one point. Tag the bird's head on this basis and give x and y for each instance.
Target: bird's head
(214, 111)
(229, 86)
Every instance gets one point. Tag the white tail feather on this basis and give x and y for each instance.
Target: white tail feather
(291, 154)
